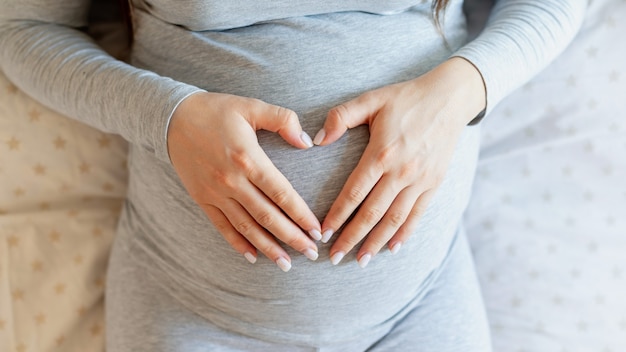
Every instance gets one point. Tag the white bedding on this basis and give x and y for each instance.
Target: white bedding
(547, 221)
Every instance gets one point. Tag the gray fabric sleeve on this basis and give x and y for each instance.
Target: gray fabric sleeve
(520, 38)
(43, 52)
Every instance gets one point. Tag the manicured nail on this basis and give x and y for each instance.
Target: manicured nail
(327, 235)
(306, 139)
(315, 234)
(319, 137)
(395, 248)
(283, 264)
(336, 258)
(251, 258)
(311, 254)
(364, 260)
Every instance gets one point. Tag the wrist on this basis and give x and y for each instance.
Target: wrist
(181, 108)
(465, 86)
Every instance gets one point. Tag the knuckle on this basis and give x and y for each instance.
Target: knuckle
(245, 227)
(281, 197)
(351, 241)
(338, 115)
(284, 115)
(409, 170)
(266, 219)
(376, 243)
(222, 226)
(224, 179)
(256, 175)
(371, 215)
(418, 210)
(386, 155)
(396, 219)
(356, 195)
(238, 242)
(300, 219)
(291, 240)
(268, 249)
(243, 161)
(338, 111)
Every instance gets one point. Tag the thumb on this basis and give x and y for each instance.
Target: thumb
(263, 116)
(345, 116)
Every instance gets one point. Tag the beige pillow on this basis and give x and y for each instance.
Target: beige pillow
(63, 185)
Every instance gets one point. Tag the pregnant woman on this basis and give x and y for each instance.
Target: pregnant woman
(226, 186)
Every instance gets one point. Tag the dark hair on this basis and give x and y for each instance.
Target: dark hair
(438, 8)
(126, 10)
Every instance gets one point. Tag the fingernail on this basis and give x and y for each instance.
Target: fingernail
(315, 234)
(364, 260)
(336, 258)
(306, 139)
(396, 247)
(327, 235)
(251, 258)
(319, 137)
(311, 254)
(283, 264)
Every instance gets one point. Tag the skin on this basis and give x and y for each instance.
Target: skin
(414, 127)
(214, 149)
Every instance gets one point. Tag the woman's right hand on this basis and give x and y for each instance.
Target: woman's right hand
(214, 149)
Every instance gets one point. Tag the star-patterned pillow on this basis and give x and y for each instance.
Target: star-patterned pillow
(547, 221)
(63, 184)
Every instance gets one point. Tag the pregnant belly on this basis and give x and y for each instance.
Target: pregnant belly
(314, 299)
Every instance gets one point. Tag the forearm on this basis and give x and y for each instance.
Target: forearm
(62, 68)
(521, 38)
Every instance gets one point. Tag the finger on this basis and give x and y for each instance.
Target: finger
(226, 229)
(278, 119)
(272, 183)
(393, 220)
(244, 224)
(410, 225)
(268, 216)
(347, 115)
(367, 217)
(359, 184)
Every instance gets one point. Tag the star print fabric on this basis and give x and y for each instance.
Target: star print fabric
(547, 221)
(62, 185)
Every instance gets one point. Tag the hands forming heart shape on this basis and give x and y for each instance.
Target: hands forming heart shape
(414, 127)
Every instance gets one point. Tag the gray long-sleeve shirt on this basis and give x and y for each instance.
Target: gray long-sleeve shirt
(307, 56)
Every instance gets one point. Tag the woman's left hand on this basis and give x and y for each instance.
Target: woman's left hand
(414, 127)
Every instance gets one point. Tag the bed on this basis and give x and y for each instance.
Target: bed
(547, 220)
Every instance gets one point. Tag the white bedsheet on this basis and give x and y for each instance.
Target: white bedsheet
(547, 221)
